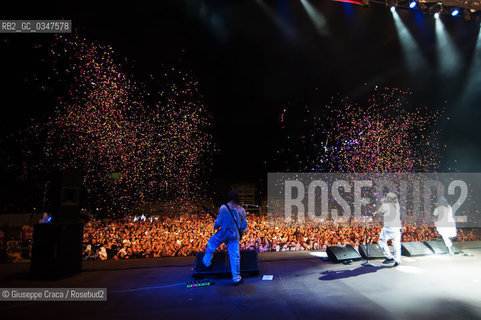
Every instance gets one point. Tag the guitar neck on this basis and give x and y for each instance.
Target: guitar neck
(213, 215)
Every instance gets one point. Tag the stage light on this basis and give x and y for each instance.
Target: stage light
(436, 9)
(449, 58)
(319, 21)
(390, 3)
(393, 8)
(413, 4)
(413, 57)
(455, 12)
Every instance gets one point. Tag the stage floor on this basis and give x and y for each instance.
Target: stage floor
(304, 287)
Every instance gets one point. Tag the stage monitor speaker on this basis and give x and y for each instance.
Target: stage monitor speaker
(438, 246)
(249, 262)
(218, 264)
(374, 251)
(56, 250)
(414, 249)
(342, 253)
(221, 266)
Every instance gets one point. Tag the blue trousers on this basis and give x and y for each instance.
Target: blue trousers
(232, 249)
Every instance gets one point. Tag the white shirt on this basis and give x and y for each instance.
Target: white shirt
(392, 214)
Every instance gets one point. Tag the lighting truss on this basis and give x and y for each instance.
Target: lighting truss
(466, 7)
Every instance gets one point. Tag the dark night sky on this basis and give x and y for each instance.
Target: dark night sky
(251, 62)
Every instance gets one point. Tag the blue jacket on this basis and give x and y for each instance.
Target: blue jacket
(228, 230)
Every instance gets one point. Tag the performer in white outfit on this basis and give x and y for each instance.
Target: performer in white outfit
(391, 229)
(445, 224)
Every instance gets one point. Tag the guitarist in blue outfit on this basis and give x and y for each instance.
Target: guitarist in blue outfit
(230, 224)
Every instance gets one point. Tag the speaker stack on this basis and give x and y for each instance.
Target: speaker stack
(56, 250)
(65, 196)
(57, 246)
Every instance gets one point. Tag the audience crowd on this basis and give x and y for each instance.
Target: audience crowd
(184, 235)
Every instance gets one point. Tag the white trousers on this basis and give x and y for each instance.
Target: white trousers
(446, 240)
(234, 255)
(395, 235)
(446, 234)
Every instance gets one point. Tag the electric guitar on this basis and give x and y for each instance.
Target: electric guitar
(213, 215)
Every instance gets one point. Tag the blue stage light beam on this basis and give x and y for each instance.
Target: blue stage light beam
(449, 60)
(320, 23)
(281, 24)
(473, 82)
(476, 62)
(215, 20)
(413, 57)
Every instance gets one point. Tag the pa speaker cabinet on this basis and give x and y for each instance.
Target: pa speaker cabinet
(438, 247)
(65, 195)
(342, 253)
(371, 251)
(249, 263)
(414, 249)
(56, 250)
(220, 265)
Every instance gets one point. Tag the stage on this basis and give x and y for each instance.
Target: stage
(303, 287)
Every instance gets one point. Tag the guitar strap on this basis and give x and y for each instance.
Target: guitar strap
(238, 229)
